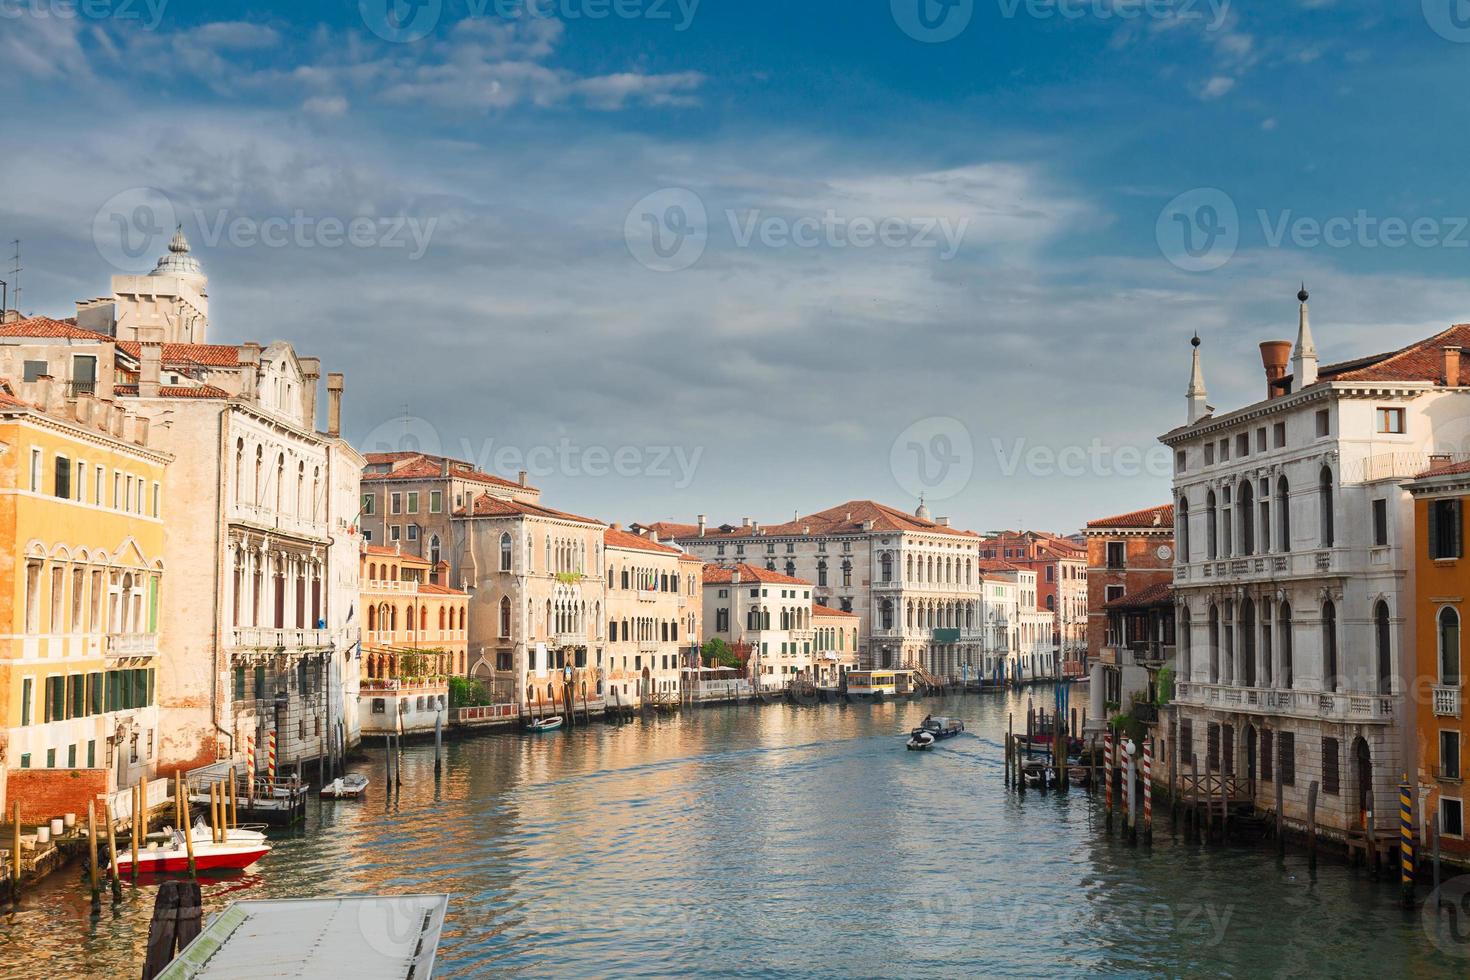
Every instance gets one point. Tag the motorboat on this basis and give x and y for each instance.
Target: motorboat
(920, 741)
(172, 854)
(871, 685)
(249, 834)
(941, 728)
(545, 724)
(349, 787)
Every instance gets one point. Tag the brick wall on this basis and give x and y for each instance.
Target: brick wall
(46, 793)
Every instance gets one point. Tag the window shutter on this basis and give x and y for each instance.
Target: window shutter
(1433, 510)
(1457, 530)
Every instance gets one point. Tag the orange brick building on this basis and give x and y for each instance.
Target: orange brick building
(1125, 555)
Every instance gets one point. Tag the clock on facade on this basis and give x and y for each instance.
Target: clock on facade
(1165, 552)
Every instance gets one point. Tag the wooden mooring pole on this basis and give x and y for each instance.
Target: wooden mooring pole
(15, 865)
(92, 870)
(177, 919)
(1312, 825)
(140, 823)
(438, 741)
(188, 830)
(1195, 797)
(1280, 818)
(112, 852)
(1406, 842)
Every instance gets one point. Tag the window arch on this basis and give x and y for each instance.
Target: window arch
(1212, 549)
(1283, 627)
(1245, 507)
(1181, 528)
(1383, 633)
(1214, 645)
(434, 550)
(1449, 647)
(1325, 504)
(1184, 641)
(1329, 646)
(1248, 641)
(1283, 515)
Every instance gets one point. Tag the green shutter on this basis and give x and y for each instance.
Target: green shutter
(25, 702)
(153, 604)
(1433, 510)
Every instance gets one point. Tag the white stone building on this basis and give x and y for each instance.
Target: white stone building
(1292, 576)
(767, 611)
(651, 620)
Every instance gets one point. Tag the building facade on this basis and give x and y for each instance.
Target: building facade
(835, 637)
(1061, 585)
(1126, 554)
(766, 613)
(82, 512)
(651, 624)
(409, 500)
(1295, 555)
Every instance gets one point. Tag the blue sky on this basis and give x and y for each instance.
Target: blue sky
(1013, 348)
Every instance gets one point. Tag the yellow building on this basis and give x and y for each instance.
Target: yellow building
(81, 539)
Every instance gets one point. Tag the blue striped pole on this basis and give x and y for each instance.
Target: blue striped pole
(1406, 840)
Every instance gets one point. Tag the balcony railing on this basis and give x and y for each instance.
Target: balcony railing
(1297, 564)
(373, 585)
(571, 639)
(132, 644)
(1345, 706)
(260, 637)
(1447, 702)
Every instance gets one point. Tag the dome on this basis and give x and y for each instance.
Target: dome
(178, 261)
(923, 512)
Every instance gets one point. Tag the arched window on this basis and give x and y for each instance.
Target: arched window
(790, 568)
(885, 563)
(1283, 627)
(1325, 504)
(1245, 506)
(372, 618)
(239, 469)
(1449, 647)
(1248, 640)
(822, 572)
(1283, 515)
(846, 574)
(442, 615)
(1329, 646)
(1383, 633)
(1214, 644)
(1212, 516)
(434, 550)
(1181, 528)
(1184, 641)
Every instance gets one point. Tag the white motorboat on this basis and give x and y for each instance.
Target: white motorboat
(172, 854)
(920, 741)
(348, 787)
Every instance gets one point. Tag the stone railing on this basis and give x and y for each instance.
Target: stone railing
(1345, 706)
(279, 639)
(1447, 702)
(132, 644)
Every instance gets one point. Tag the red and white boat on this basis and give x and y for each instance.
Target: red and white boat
(172, 854)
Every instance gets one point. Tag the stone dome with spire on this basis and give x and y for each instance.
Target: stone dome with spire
(178, 261)
(923, 512)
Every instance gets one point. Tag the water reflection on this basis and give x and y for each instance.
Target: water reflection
(799, 840)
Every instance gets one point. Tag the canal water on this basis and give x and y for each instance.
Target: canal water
(784, 840)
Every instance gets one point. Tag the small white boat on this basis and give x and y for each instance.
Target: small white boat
(173, 854)
(920, 741)
(545, 724)
(348, 787)
(234, 835)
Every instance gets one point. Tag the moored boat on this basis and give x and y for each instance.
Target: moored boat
(871, 685)
(172, 854)
(349, 787)
(544, 724)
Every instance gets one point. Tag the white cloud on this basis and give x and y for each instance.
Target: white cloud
(325, 105)
(1217, 86)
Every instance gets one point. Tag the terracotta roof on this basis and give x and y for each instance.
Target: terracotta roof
(845, 518)
(997, 565)
(1445, 469)
(433, 588)
(422, 466)
(615, 538)
(7, 400)
(1158, 594)
(379, 551)
(44, 326)
(724, 575)
(1420, 361)
(203, 355)
(669, 529)
(820, 610)
(1162, 516)
(685, 556)
(488, 506)
(175, 391)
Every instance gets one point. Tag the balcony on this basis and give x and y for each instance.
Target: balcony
(1151, 653)
(1358, 707)
(387, 586)
(131, 645)
(1447, 702)
(264, 638)
(563, 640)
(648, 646)
(1295, 565)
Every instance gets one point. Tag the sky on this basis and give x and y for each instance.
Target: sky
(750, 258)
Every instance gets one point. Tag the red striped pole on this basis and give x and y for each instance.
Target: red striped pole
(1148, 791)
(270, 758)
(1108, 775)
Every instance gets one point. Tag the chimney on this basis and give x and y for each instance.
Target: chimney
(1275, 355)
(250, 366)
(140, 431)
(735, 575)
(701, 525)
(444, 466)
(335, 384)
(1439, 459)
(150, 368)
(942, 522)
(653, 535)
(1452, 367)
(43, 392)
(616, 525)
(521, 477)
(745, 522)
(311, 373)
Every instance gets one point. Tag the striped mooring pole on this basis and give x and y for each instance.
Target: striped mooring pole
(270, 757)
(1148, 791)
(250, 755)
(1406, 841)
(1108, 776)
